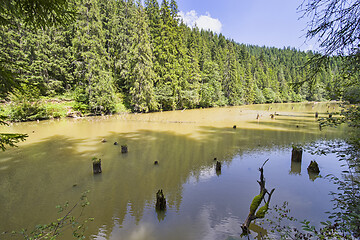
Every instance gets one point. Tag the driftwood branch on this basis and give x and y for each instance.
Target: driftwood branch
(258, 199)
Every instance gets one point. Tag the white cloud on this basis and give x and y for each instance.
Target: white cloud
(205, 22)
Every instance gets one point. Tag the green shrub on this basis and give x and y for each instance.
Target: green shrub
(27, 111)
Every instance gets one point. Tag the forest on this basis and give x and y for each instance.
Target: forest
(119, 55)
(110, 56)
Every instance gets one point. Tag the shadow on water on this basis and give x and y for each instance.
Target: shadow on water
(36, 177)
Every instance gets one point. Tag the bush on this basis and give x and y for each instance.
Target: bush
(27, 111)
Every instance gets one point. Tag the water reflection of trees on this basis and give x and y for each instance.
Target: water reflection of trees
(38, 176)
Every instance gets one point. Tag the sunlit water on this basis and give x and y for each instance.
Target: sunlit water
(54, 166)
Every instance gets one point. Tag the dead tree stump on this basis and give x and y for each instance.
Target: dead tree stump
(124, 148)
(313, 167)
(296, 154)
(96, 166)
(218, 166)
(160, 200)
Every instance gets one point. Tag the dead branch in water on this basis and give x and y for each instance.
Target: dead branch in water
(253, 214)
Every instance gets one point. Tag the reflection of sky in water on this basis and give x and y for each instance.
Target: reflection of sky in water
(205, 174)
(214, 207)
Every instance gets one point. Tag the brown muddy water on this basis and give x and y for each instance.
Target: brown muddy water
(54, 166)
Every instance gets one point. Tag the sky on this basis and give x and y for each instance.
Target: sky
(272, 23)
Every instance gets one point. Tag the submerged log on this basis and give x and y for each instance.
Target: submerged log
(313, 167)
(96, 166)
(296, 154)
(124, 148)
(160, 200)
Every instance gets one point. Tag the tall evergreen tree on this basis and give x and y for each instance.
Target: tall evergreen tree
(140, 83)
(95, 82)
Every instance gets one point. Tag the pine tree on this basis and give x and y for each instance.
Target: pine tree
(231, 79)
(94, 79)
(141, 76)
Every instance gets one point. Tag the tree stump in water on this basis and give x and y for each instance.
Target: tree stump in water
(296, 154)
(160, 200)
(316, 115)
(124, 148)
(313, 167)
(96, 165)
(218, 166)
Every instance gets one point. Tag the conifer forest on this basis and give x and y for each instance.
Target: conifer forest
(146, 59)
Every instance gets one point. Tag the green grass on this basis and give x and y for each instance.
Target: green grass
(46, 108)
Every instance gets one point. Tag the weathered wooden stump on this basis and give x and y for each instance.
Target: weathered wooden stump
(96, 165)
(124, 148)
(313, 167)
(218, 166)
(316, 115)
(160, 200)
(295, 168)
(296, 154)
(234, 127)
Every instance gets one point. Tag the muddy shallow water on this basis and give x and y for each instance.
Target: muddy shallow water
(54, 166)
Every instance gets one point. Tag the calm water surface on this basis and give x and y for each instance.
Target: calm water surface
(54, 166)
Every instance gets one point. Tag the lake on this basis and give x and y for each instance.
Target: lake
(54, 165)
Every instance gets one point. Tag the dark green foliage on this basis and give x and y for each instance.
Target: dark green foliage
(27, 111)
(154, 61)
(9, 139)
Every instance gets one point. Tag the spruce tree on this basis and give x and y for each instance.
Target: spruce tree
(140, 82)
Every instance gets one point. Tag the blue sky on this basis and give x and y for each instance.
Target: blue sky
(258, 22)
